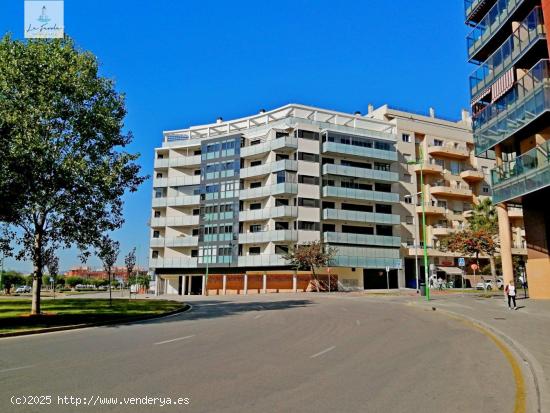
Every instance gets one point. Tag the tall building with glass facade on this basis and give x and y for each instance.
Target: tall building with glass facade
(510, 91)
(231, 198)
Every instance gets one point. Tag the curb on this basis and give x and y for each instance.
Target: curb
(118, 321)
(534, 367)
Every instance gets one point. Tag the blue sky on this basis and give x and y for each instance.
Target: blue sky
(187, 62)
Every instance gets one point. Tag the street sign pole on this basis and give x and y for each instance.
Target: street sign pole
(388, 278)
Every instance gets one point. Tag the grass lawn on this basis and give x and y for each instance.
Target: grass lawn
(14, 314)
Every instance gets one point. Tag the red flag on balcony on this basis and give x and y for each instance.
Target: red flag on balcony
(502, 85)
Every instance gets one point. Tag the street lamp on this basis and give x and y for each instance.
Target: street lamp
(414, 200)
(420, 162)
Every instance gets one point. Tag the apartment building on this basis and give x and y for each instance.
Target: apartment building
(454, 181)
(510, 92)
(231, 198)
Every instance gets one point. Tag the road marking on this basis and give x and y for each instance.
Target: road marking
(358, 322)
(16, 368)
(174, 339)
(322, 352)
(258, 316)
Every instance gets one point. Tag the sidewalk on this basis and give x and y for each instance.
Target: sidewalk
(528, 328)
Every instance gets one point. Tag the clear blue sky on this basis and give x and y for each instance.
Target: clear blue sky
(187, 62)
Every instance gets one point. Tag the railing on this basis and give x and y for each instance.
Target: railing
(261, 259)
(361, 239)
(268, 213)
(173, 263)
(360, 172)
(265, 191)
(529, 97)
(470, 6)
(175, 221)
(266, 169)
(359, 216)
(268, 236)
(359, 151)
(490, 24)
(530, 30)
(527, 172)
(268, 146)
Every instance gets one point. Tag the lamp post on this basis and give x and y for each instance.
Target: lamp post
(414, 199)
(420, 162)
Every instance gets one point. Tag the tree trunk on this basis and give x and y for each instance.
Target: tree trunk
(37, 272)
(493, 270)
(110, 287)
(315, 280)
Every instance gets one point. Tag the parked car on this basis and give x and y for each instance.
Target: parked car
(23, 289)
(490, 285)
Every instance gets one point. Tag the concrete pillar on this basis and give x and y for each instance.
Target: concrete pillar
(264, 282)
(165, 285)
(224, 284)
(189, 279)
(294, 282)
(245, 289)
(157, 287)
(204, 285)
(505, 243)
(183, 284)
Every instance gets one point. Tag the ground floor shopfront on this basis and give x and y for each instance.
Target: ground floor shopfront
(261, 282)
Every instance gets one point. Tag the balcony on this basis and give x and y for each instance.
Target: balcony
(359, 194)
(526, 173)
(475, 9)
(430, 209)
(284, 235)
(182, 221)
(472, 175)
(492, 22)
(528, 100)
(362, 217)
(266, 169)
(461, 191)
(359, 151)
(510, 52)
(268, 213)
(361, 239)
(176, 201)
(450, 151)
(262, 260)
(365, 262)
(179, 161)
(440, 231)
(285, 144)
(266, 191)
(428, 168)
(173, 262)
(364, 173)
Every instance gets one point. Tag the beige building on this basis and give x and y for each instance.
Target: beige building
(454, 180)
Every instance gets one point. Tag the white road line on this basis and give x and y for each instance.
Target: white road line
(358, 322)
(16, 368)
(174, 339)
(322, 352)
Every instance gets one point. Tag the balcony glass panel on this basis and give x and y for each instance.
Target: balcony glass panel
(339, 192)
(361, 239)
(360, 172)
(528, 172)
(490, 24)
(359, 151)
(530, 30)
(267, 213)
(260, 260)
(358, 216)
(529, 98)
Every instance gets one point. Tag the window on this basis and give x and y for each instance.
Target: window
(280, 134)
(329, 228)
(308, 226)
(255, 163)
(255, 142)
(438, 142)
(382, 187)
(154, 254)
(281, 156)
(224, 251)
(197, 152)
(406, 138)
(281, 249)
(194, 253)
(354, 207)
(156, 234)
(159, 174)
(383, 209)
(158, 194)
(160, 156)
(384, 230)
(255, 185)
(280, 225)
(485, 189)
(255, 228)
(455, 167)
(308, 157)
(305, 134)
(328, 204)
(197, 172)
(157, 214)
(254, 251)
(281, 202)
(325, 161)
(255, 206)
(308, 202)
(408, 199)
(351, 229)
(409, 219)
(385, 146)
(195, 232)
(196, 211)
(309, 180)
(407, 178)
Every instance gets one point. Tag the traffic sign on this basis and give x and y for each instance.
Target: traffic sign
(461, 262)
(474, 267)
(387, 269)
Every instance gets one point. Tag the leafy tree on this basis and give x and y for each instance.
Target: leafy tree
(309, 256)
(64, 169)
(74, 281)
(130, 262)
(471, 243)
(60, 281)
(107, 251)
(484, 217)
(11, 278)
(52, 263)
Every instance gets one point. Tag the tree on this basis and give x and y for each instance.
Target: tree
(63, 161)
(107, 251)
(52, 263)
(130, 262)
(74, 281)
(309, 256)
(11, 278)
(484, 217)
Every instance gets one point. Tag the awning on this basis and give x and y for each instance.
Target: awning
(450, 270)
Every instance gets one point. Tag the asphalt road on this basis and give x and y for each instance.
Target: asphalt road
(266, 353)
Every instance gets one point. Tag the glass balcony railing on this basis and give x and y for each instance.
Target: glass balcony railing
(340, 148)
(359, 216)
(261, 260)
(265, 191)
(528, 99)
(526, 35)
(173, 263)
(365, 195)
(268, 236)
(490, 24)
(364, 173)
(470, 6)
(287, 142)
(187, 220)
(365, 262)
(361, 239)
(528, 172)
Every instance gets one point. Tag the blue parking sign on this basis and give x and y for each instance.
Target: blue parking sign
(461, 262)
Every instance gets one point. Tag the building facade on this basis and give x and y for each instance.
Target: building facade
(230, 199)
(510, 92)
(454, 181)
